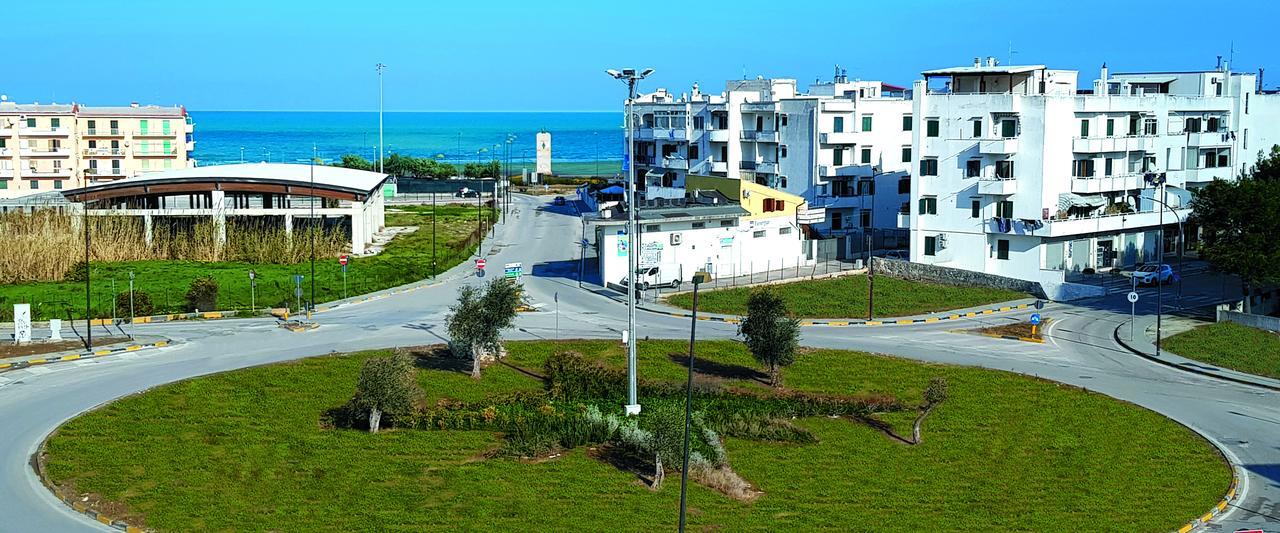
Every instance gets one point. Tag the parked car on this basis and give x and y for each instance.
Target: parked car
(466, 193)
(559, 201)
(1152, 274)
(651, 278)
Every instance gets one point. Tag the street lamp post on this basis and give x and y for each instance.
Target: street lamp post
(1164, 194)
(88, 275)
(379, 68)
(312, 298)
(631, 76)
(698, 279)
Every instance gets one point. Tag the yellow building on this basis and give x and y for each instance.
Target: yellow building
(50, 146)
(759, 200)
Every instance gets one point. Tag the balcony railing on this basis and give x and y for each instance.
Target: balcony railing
(846, 171)
(1207, 139)
(997, 186)
(998, 146)
(767, 167)
(670, 134)
(103, 132)
(45, 152)
(718, 136)
(154, 133)
(1111, 223)
(46, 172)
(842, 137)
(60, 131)
(719, 166)
(675, 163)
(1127, 143)
(759, 107)
(173, 151)
(6, 152)
(1100, 184)
(103, 152)
(767, 136)
(104, 172)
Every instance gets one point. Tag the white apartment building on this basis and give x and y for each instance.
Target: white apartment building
(834, 147)
(51, 146)
(1020, 174)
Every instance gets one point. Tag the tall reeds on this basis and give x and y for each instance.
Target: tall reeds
(43, 245)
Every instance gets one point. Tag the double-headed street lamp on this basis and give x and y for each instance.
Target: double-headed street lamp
(1160, 180)
(631, 77)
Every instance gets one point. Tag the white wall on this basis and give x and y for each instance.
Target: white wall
(725, 251)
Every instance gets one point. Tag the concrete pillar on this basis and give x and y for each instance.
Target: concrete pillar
(288, 224)
(218, 202)
(147, 228)
(358, 226)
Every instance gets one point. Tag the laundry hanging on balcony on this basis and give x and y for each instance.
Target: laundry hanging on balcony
(1067, 200)
(1032, 224)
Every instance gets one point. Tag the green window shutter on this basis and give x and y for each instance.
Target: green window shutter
(4, 184)
(164, 126)
(866, 123)
(931, 128)
(906, 154)
(55, 122)
(906, 123)
(1084, 127)
(1111, 127)
(977, 129)
(168, 145)
(31, 123)
(143, 126)
(838, 127)
(145, 147)
(1009, 128)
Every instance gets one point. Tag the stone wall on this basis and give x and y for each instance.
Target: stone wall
(1268, 323)
(954, 276)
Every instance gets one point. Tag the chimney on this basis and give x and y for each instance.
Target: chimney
(1219, 66)
(991, 61)
(133, 104)
(977, 62)
(1260, 72)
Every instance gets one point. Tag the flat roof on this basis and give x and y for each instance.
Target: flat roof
(130, 111)
(281, 178)
(999, 69)
(8, 107)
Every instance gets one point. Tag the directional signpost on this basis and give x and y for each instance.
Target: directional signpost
(297, 290)
(513, 270)
(1133, 311)
(253, 291)
(342, 260)
(1035, 322)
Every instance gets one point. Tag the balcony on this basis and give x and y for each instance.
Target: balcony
(1209, 139)
(760, 136)
(998, 186)
(104, 172)
(191, 146)
(718, 136)
(643, 134)
(1180, 178)
(844, 137)
(154, 133)
(6, 152)
(675, 163)
(189, 127)
(1111, 223)
(64, 172)
(759, 107)
(904, 220)
(61, 131)
(767, 167)
(720, 166)
(1113, 144)
(669, 134)
(103, 132)
(1094, 185)
(45, 152)
(103, 152)
(998, 146)
(1012, 226)
(153, 152)
(846, 171)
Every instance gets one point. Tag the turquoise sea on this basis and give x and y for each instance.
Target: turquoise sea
(578, 139)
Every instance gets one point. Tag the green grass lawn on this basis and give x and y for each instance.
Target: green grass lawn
(406, 259)
(1230, 345)
(244, 450)
(846, 297)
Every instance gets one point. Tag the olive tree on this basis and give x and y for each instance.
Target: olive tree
(385, 385)
(771, 333)
(477, 319)
(666, 425)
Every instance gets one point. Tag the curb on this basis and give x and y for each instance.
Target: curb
(1116, 335)
(1217, 510)
(83, 355)
(70, 501)
(848, 323)
(1013, 338)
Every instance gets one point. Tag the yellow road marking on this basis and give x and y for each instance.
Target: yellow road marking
(1186, 529)
(905, 322)
(133, 348)
(70, 357)
(930, 320)
(37, 361)
(837, 323)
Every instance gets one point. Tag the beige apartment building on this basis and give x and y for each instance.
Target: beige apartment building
(46, 147)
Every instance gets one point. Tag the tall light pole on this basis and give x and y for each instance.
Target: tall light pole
(311, 304)
(379, 68)
(698, 279)
(631, 76)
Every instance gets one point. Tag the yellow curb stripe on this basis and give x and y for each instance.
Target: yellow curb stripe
(79, 506)
(1231, 494)
(953, 317)
(905, 322)
(102, 352)
(1206, 518)
(104, 519)
(72, 357)
(37, 361)
(987, 312)
(930, 320)
(1186, 529)
(5, 365)
(1005, 308)
(159, 344)
(971, 314)
(133, 529)
(133, 348)
(837, 323)
(874, 322)
(1222, 506)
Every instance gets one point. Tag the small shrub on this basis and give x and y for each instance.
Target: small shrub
(78, 271)
(203, 294)
(141, 303)
(386, 385)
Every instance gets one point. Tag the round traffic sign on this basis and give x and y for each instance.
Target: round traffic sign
(342, 259)
(1133, 297)
(252, 274)
(480, 264)
(1035, 319)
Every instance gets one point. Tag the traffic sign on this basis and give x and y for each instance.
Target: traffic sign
(342, 260)
(513, 270)
(252, 274)
(1133, 297)
(1035, 319)
(480, 264)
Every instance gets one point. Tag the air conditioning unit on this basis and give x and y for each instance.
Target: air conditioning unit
(675, 239)
(942, 241)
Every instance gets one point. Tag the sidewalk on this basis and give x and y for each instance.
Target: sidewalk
(1144, 345)
(137, 343)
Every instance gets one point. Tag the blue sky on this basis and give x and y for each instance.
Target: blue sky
(511, 55)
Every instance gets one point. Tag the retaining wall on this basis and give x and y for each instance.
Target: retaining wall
(1269, 323)
(954, 276)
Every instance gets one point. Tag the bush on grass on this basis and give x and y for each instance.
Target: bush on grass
(141, 301)
(203, 294)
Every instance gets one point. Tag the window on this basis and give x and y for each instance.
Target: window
(57, 184)
(1111, 127)
(930, 246)
(782, 183)
(1214, 158)
(55, 123)
(34, 184)
(866, 155)
(757, 234)
(1009, 128)
(1213, 125)
(1004, 209)
(726, 223)
(929, 167)
(864, 218)
(906, 122)
(837, 220)
(904, 185)
(699, 225)
(784, 120)
(973, 168)
(115, 127)
(699, 123)
(837, 156)
(784, 231)
(168, 147)
(975, 209)
(866, 122)
(1004, 169)
(144, 147)
(2, 142)
(782, 151)
(1082, 168)
(1244, 139)
(31, 123)
(977, 128)
(931, 127)
(4, 184)
(906, 154)
(143, 126)
(1192, 125)
(1002, 248)
(838, 127)
(1084, 127)
(1149, 126)
(929, 205)
(652, 227)
(768, 205)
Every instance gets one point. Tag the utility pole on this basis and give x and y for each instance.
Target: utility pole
(312, 299)
(630, 76)
(379, 68)
(433, 235)
(698, 279)
(88, 275)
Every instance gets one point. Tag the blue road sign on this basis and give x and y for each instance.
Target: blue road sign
(1035, 319)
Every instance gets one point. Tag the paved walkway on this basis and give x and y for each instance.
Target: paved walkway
(1144, 345)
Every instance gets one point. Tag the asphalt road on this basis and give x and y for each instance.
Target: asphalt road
(1242, 420)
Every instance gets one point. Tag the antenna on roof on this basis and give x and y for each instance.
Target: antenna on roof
(1011, 52)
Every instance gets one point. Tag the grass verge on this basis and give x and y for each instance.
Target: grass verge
(1230, 345)
(406, 259)
(1005, 452)
(846, 297)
